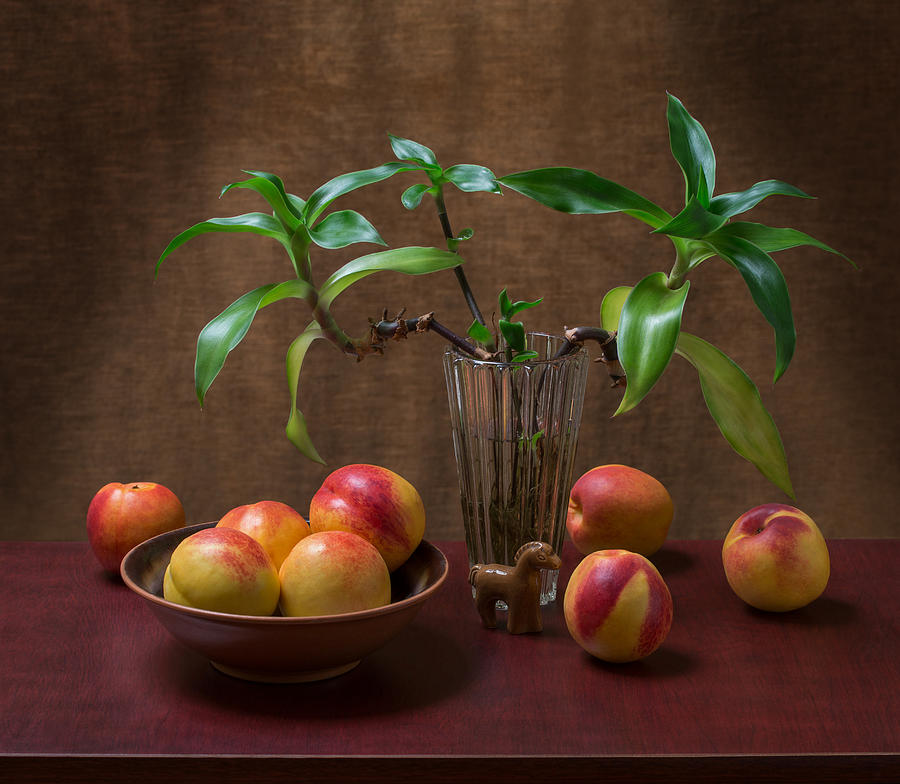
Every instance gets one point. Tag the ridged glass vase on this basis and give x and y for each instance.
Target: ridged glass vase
(515, 432)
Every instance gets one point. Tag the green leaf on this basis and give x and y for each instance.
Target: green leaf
(408, 150)
(518, 307)
(514, 334)
(345, 183)
(480, 333)
(296, 427)
(767, 287)
(729, 204)
(648, 331)
(297, 204)
(271, 188)
(412, 196)
(581, 192)
(410, 261)
(469, 177)
(505, 304)
(735, 405)
(771, 239)
(465, 234)
(695, 251)
(693, 151)
(255, 222)
(611, 307)
(221, 335)
(340, 229)
(693, 222)
(526, 356)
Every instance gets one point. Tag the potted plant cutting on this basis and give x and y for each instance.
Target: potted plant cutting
(516, 397)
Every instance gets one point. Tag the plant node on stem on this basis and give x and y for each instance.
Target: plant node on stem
(609, 354)
(399, 328)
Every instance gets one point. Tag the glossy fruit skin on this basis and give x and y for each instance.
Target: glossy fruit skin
(374, 503)
(222, 570)
(121, 516)
(333, 572)
(775, 558)
(619, 507)
(617, 606)
(275, 525)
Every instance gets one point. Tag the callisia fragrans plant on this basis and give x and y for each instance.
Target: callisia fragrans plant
(640, 325)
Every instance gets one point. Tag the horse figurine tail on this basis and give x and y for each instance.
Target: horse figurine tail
(473, 574)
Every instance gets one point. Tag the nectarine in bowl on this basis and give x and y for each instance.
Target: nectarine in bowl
(277, 648)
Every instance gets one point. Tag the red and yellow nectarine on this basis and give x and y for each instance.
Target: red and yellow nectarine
(223, 570)
(618, 507)
(775, 558)
(374, 503)
(333, 572)
(121, 516)
(617, 606)
(276, 526)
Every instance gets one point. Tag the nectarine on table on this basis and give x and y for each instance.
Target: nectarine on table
(619, 507)
(121, 516)
(617, 606)
(775, 558)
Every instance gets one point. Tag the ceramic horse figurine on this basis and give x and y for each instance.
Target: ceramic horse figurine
(519, 586)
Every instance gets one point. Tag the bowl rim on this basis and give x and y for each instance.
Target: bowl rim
(284, 620)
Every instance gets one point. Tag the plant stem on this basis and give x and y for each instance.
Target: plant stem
(300, 254)
(680, 267)
(608, 349)
(399, 328)
(460, 274)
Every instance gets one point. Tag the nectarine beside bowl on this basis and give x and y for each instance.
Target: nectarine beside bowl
(276, 648)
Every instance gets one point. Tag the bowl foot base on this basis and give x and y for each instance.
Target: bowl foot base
(286, 677)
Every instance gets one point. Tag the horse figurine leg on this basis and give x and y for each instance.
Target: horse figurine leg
(485, 600)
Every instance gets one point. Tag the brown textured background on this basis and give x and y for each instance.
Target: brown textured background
(122, 120)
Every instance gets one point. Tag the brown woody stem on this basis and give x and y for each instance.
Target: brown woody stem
(608, 350)
(399, 328)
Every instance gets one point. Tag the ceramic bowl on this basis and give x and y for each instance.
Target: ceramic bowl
(277, 648)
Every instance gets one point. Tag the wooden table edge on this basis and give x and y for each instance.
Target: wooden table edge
(823, 768)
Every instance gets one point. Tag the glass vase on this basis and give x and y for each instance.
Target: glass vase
(515, 432)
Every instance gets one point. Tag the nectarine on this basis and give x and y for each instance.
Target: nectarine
(121, 516)
(617, 606)
(276, 526)
(775, 558)
(618, 507)
(223, 570)
(333, 572)
(375, 503)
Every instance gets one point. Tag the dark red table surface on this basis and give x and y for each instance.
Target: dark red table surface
(89, 681)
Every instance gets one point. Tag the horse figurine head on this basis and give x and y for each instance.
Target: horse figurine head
(536, 556)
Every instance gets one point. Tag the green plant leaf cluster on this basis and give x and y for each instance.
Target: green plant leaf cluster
(731, 397)
(514, 331)
(646, 318)
(465, 176)
(297, 224)
(648, 315)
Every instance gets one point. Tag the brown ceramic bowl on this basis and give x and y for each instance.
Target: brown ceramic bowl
(276, 648)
